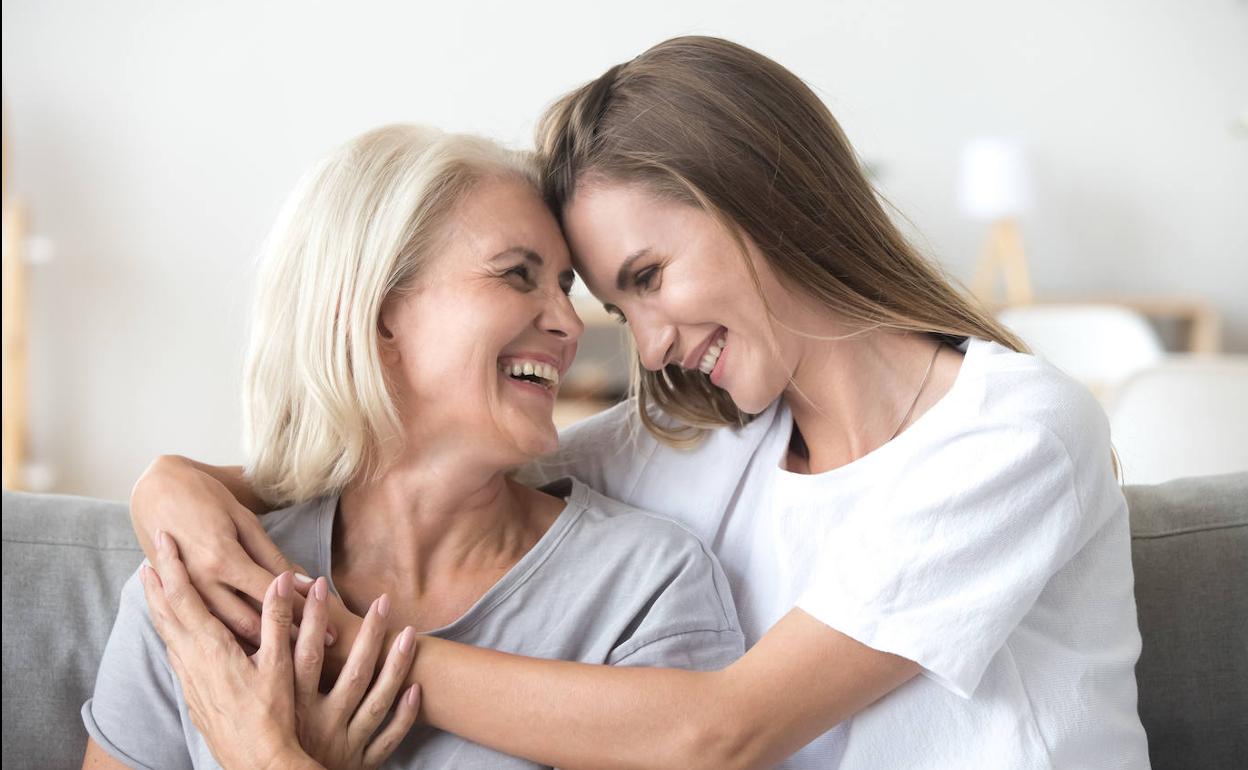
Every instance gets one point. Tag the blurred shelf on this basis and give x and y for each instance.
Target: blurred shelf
(569, 411)
(1199, 322)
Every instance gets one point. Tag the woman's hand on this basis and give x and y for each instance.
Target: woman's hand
(255, 710)
(340, 728)
(243, 705)
(225, 548)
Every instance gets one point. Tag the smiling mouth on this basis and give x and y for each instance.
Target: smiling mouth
(536, 372)
(712, 354)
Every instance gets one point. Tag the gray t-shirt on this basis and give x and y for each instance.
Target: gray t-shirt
(606, 584)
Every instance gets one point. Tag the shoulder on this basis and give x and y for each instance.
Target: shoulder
(302, 531)
(1024, 394)
(658, 554)
(296, 517)
(665, 597)
(1020, 429)
(606, 517)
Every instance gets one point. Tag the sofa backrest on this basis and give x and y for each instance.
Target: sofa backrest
(66, 558)
(1189, 543)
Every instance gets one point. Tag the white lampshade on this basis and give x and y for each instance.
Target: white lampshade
(993, 182)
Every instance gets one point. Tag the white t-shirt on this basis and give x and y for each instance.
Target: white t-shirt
(989, 542)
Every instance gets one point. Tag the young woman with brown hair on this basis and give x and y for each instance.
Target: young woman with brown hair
(920, 522)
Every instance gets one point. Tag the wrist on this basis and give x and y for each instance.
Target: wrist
(291, 757)
(346, 626)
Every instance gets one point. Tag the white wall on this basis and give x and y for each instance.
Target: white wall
(153, 142)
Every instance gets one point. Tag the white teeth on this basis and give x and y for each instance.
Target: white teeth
(711, 357)
(545, 372)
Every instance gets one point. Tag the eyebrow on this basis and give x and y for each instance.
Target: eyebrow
(519, 251)
(621, 276)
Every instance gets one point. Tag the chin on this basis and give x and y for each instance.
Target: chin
(537, 442)
(755, 400)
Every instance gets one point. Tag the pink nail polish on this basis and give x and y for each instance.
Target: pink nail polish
(283, 585)
(383, 605)
(162, 540)
(411, 694)
(321, 588)
(406, 640)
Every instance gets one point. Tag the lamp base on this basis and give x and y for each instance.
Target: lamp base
(1003, 256)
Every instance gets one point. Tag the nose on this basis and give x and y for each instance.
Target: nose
(655, 342)
(560, 319)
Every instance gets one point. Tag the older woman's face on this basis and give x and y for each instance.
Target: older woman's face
(477, 348)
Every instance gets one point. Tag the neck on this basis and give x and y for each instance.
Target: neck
(850, 396)
(432, 520)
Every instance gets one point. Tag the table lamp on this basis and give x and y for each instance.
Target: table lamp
(993, 185)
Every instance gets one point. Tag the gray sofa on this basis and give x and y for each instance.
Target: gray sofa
(65, 559)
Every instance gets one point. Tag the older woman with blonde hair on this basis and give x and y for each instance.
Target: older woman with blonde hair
(411, 329)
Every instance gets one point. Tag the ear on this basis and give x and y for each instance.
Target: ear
(388, 348)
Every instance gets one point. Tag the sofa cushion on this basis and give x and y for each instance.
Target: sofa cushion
(1190, 550)
(65, 560)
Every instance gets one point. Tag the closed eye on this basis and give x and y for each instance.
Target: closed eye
(520, 272)
(644, 279)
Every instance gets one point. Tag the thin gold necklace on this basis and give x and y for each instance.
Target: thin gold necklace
(917, 393)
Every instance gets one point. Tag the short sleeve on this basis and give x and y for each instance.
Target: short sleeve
(688, 621)
(954, 552)
(691, 650)
(134, 712)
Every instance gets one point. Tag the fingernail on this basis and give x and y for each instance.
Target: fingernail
(304, 579)
(143, 570)
(162, 540)
(406, 640)
(383, 605)
(283, 585)
(411, 694)
(329, 639)
(321, 589)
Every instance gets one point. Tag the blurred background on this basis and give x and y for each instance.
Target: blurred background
(1083, 166)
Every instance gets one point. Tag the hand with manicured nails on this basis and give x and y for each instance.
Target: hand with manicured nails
(254, 711)
(340, 728)
(230, 558)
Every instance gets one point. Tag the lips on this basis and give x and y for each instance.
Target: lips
(694, 359)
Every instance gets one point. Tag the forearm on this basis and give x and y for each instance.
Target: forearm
(575, 715)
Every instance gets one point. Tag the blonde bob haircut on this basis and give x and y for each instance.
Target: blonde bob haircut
(356, 230)
(712, 124)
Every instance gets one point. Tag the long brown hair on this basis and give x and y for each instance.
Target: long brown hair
(711, 123)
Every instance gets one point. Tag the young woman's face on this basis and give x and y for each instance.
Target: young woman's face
(678, 279)
(477, 347)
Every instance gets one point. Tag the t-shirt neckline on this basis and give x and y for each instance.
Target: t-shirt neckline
(972, 348)
(576, 502)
